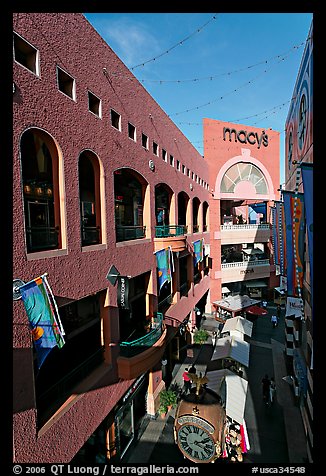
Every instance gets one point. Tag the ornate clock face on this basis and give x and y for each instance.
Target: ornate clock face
(196, 443)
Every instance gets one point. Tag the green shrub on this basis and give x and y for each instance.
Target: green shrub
(200, 336)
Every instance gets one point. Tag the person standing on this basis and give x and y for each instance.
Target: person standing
(272, 390)
(278, 311)
(186, 381)
(214, 337)
(264, 304)
(274, 320)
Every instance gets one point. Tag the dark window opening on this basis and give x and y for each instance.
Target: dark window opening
(131, 131)
(115, 120)
(25, 54)
(94, 104)
(65, 83)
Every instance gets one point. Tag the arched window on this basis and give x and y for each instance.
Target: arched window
(183, 203)
(129, 191)
(40, 176)
(195, 211)
(205, 216)
(89, 195)
(242, 172)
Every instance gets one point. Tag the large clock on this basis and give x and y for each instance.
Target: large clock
(199, 426)
(196, 443)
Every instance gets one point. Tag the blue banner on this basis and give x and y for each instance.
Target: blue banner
(42, 319)
(163, 265)
(307, 179)
(198, 251)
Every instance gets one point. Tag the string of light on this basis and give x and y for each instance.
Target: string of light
(176, 45)
(227, 73)
(226, 94)
(280, 106)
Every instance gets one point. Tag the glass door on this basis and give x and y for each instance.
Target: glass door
(125, 428)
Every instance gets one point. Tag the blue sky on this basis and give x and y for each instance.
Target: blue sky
(237, 67)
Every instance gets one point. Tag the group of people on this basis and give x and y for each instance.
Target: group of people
(269, 389)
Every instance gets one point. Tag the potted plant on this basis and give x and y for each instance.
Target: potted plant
(168, 400)
(200, 336)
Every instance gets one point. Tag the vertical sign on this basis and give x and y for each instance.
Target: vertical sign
(123, 292)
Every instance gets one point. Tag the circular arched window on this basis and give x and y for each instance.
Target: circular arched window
(241, 172)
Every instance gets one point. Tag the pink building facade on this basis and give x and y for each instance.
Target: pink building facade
(95, 161)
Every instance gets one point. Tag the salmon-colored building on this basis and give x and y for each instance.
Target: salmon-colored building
(244, 171)
(102, 181)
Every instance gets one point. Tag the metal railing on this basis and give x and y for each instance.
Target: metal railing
(253, 226)
(125, 233)
(42, 238)
(245, 264)
(90, 235)
(134, 347)
(165, 231)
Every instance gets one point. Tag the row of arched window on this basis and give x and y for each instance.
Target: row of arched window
(43, 189)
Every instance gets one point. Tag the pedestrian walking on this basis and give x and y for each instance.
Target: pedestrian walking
(274, 320)
(186, 381)
(264, 304)
(272, 390)
(266, 389)
(278, 311)
(214, 337)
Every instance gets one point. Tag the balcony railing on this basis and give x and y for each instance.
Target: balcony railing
(166, 231)
(90, 235)
(124, 233)
(130, 348)
(42, 238)
(254, 226)
(245, 264)
(165, 303)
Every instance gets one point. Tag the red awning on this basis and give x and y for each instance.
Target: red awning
(256, 310)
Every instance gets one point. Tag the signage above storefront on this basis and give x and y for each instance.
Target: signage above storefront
(245, 137)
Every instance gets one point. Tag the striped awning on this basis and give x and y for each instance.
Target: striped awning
(232, 389)
(240, 324)
(233, 348)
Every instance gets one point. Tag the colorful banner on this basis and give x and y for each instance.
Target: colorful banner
(295, 231)
(198, 251)
(164, 267)
(307, 179)
(43, 316)
(123, 292)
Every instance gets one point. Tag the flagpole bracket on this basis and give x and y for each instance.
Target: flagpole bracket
(16, 285)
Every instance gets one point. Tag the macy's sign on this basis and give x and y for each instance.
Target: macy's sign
(246, 137)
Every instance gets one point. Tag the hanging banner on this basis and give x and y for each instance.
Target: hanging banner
(294, 307)
(198, 251)
(43, 317)
(275, 237)
(282, 238)
(307, 179)
(295, 231)
(123, 292)
(163, 265)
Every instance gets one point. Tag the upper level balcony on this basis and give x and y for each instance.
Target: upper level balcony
(170, 235)
(137, 355)
(245, 270)
(248, 233)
